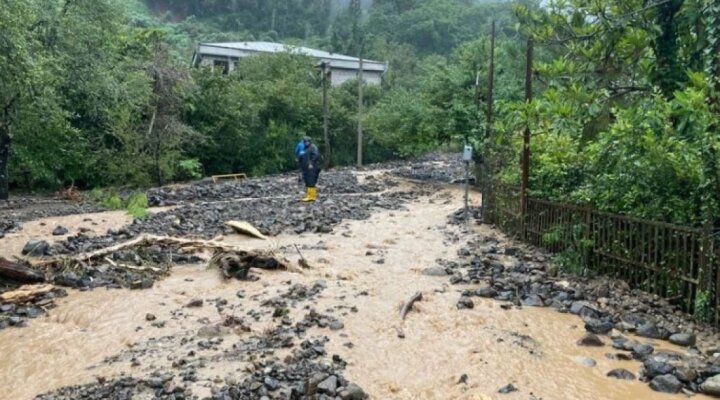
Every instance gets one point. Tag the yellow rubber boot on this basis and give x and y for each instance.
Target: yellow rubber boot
(313, 193)
(307, 197)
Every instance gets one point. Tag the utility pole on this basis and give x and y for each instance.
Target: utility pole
(325, 71)
(526, 139)
(361, 83)
(486, 167)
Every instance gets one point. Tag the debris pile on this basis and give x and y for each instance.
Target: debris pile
(526, 277)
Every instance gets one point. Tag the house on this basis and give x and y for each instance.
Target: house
(343, 68)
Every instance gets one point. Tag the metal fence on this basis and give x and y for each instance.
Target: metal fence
(679, 263)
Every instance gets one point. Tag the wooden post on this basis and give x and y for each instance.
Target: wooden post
(487, 170)
(361, 82)
(325, 71)
(526, 139)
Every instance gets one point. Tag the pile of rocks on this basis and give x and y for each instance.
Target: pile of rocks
(525, 277)
(159, 387)
(15, 315)
(270, 216)
(337, 182)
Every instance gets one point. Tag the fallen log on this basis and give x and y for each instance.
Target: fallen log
(406, 308)
(20, 273)
(25, 293)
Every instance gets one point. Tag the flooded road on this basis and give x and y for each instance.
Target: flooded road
(373, 265)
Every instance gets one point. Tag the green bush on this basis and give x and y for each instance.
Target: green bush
(112, 201)
(137, 204)
(190, 169)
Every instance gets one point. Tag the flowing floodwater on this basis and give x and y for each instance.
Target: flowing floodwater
(373, 265)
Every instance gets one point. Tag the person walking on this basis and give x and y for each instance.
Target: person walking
(310, 165)
(299, 150)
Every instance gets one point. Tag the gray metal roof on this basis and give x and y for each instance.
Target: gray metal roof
(243, 49)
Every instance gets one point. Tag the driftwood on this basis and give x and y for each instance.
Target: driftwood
(406, 308)
(24, 294)
(245, 228)
(303, 262)
(145, 240)
(404, 311)
(17, 272)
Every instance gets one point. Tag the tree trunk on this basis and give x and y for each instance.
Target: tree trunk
(19, 273)
(4, 160)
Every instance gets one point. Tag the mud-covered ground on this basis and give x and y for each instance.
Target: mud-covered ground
(487, 325)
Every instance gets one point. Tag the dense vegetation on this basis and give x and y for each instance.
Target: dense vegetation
(624, 115)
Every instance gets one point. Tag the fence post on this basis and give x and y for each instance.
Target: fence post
(587, 237)
(705, 266)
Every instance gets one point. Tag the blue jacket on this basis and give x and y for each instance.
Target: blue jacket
(299, 149)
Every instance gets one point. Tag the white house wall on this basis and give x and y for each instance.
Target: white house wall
(340, 76)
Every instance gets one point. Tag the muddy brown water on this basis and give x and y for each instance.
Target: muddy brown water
(532, 348)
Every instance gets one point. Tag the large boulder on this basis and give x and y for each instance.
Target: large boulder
(590, 340)
(683, 339)
(621, 373)
(711, 386)
(36, 248)
(598, 326)
(649, 330)
(653, 368)
(666, 384)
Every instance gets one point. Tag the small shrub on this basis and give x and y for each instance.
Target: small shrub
(113, 201)
(96, 196)
(137, 200)
(137, 205)
(138, 212)
(187, 170)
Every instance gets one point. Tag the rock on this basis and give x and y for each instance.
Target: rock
(641, 351)
(686, 374)
(683, 339)
(585, 361)
(36, 248)
(623, 326)
(653, 368)
(590, 340)
(59, 231)
(435, 271)
(311, 385)
(150, 317)
(533, 300)
(336, 325)
(465, 302)
(463, 379)
(353, 392)
(711, 386)
(649, 330)
(212, 331)
(68, 279)
(621, 373)
(598, 326)
(666, 384)
(509, 388)
(618, 356)
(328, 386)
(486, 292)
(271, 384)
(194, 303)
